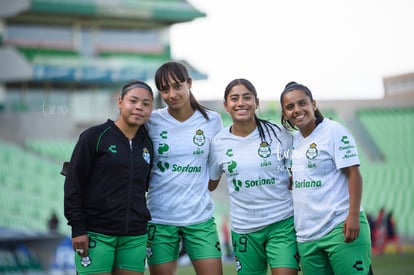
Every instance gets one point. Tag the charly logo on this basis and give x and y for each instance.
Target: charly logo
(229, 152)
(345, 140)
(264, 150)
(199, 138)
(312, 151)
(112, 149)
(217, 246)
(146, 155)
(164, 134)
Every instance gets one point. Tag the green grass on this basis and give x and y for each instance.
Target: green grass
(393, 264)
(382, 264)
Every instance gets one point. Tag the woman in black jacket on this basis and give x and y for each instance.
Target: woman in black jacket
(105, 188)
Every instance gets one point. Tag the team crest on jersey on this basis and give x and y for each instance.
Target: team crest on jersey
(312, 151)
(238, 264)
(264, 150)
(149, 251)
(199, 138)
(146, 155)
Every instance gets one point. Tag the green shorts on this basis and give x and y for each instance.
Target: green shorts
(275, 245)
(201, 241)
(332, 255)
(108, 252)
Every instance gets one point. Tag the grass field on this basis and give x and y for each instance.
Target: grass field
(382, 264)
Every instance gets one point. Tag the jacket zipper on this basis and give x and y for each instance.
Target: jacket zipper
(131, 169)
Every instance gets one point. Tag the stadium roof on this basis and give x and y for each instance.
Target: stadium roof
(145, 12)
(102, 70)
(49, 61)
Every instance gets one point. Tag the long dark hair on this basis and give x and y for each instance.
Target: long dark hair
(179, 73)
(296, 86)
(261, 124)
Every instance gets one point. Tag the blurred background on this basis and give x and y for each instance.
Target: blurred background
(62, 64)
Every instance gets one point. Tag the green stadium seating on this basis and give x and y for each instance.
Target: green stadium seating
(60, 150)
(31, 190)
(392, 130)
(390, 184)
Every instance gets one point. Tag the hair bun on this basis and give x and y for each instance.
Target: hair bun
(291, 83)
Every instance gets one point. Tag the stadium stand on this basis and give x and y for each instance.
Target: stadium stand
(31, 189)
(50, 94)
(389, 184)
(60, 150)
(398, 123)
(62, 64)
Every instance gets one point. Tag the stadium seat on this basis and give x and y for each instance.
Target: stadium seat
(390, 184)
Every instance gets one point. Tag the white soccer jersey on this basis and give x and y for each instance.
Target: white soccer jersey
(178, 191)
(256, 175)
(320, 189)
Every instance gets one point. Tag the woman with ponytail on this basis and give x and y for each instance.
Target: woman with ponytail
(105, 188)
(253, 154)
(180, 203)
(331, 226)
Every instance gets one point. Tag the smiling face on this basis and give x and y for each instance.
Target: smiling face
(241, 104)
(299, 110)
(135, 107)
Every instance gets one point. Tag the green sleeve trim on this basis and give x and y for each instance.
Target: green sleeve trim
(100, 137)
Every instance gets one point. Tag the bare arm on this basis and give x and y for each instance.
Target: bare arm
(352, 226)
(212, 184)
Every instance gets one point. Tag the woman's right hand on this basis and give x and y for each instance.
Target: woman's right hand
(80, 244)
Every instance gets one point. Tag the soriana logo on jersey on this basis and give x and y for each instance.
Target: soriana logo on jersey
(163, 149)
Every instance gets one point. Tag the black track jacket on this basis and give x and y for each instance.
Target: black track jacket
(106, 182)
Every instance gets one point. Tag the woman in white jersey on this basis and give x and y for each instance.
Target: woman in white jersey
(253, 154)
(331, 227)
(178, 197)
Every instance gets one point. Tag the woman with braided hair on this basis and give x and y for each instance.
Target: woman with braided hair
(253, 155)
